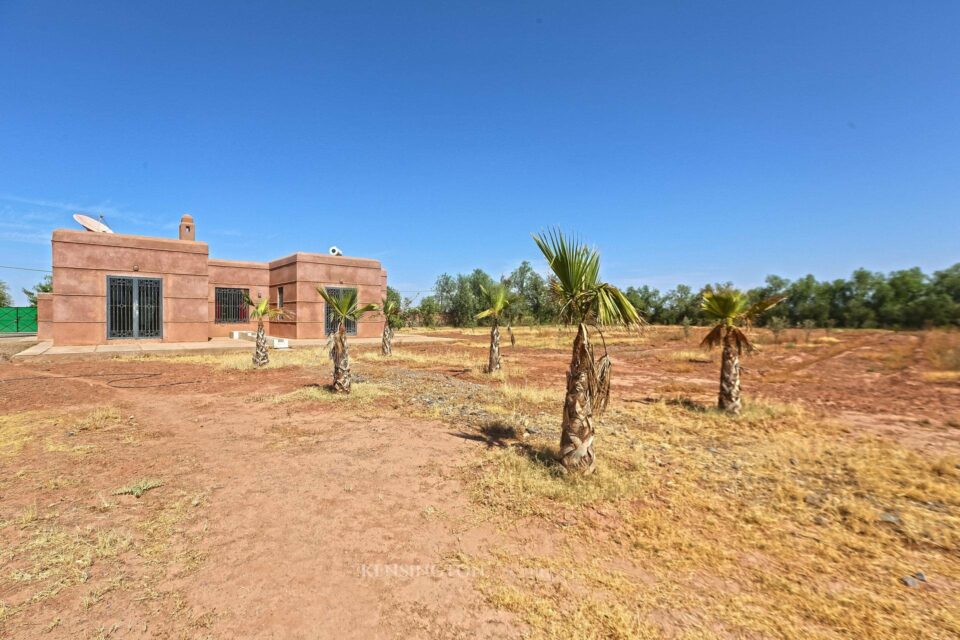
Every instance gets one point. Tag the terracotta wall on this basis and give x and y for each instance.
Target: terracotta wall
(301, 274)
(44, 316)
(253, 276)
(83, 260)
(75, 313)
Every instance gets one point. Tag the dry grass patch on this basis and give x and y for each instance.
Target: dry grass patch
(942, 350)
(941, 376)
(697, 524)
(72, 537)
(472, 359)
(361, 393)
(691, 356)
(243, 360)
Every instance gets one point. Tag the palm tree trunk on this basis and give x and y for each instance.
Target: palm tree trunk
(494, 362)
(576, 436)
(386, 344)
(340, 355)
(260, 355)
(729, 399)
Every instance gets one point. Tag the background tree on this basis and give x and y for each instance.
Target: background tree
(44, 286)
(647, 301)
(731, 310)
(808, 327)
(777, 324)
(496, 299)
(429, 311)
(6, 300)
(344, 306)
(444, 290)
(585, 300)
(531, 295)
(906, 299)
(680, 302)
(261, 311)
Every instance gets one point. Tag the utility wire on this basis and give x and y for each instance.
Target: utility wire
(4, 266)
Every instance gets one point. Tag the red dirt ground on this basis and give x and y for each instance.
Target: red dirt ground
(304, 512)
(870, 379)
(292, 516)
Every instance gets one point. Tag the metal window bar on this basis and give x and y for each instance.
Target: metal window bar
(330, 320)
(230, 306)
(134, 307)
(149, 317)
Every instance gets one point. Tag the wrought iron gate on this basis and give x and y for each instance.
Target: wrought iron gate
(134, 307)
(330, 320)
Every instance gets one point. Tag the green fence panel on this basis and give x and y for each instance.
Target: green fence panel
(18, 319)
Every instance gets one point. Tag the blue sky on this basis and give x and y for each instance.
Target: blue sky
(690, 141)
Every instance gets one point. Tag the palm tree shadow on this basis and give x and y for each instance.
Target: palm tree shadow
(540, 454)
(498, 433)
(688, 404)
(494, 434)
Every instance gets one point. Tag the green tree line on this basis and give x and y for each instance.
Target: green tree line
(907, 299)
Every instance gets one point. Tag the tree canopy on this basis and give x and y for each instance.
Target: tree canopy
(907, 299)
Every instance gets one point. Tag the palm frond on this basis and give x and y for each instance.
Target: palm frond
(603, 371)
(344, 304)
(725, 305)
(614, 308)
(261, 309)
(575, 283)
(390, 308)
(359, 312)
(497, 298)
(741, 340)
(762, 306)
(714, 338)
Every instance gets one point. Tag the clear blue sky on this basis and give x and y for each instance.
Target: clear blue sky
(690, 141)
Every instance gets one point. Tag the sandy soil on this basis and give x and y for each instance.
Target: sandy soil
(310, 522)
(870, 379)
(300, 519)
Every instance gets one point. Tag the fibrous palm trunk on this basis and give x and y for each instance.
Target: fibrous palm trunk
(386, 344)
(340, 355)
(494, 362)
(576, 437)
(729, 399)
(260, 355)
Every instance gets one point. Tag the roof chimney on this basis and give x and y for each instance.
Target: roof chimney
(187, 230)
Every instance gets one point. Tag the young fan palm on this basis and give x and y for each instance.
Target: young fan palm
(344, 306)
(732, 310)
(496, 298)
(391, 312)
(261, 311)
(585, 300)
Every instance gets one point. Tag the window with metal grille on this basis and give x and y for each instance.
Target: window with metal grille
(280, 297)
(331, 322)
(230, 306)
(134, 307)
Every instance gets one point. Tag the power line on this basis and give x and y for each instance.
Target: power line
(4, 266)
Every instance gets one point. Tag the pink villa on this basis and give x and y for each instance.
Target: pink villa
(110, 288)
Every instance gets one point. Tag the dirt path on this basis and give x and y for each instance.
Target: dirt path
(316, 521)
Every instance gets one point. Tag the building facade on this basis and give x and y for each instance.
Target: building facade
(110, 288)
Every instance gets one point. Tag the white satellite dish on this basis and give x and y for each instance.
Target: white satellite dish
(335, 251)
(90, 224)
